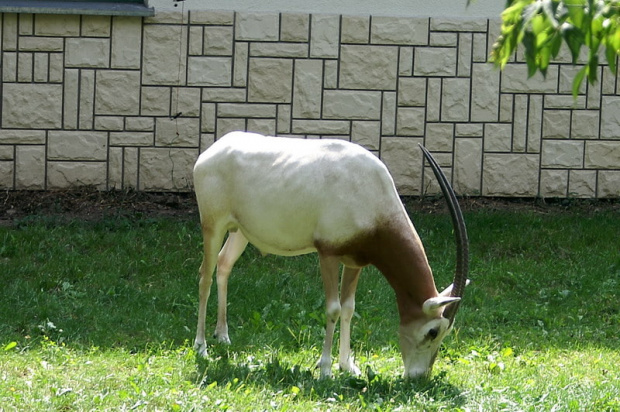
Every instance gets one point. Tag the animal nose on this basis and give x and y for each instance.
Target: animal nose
(417, 373)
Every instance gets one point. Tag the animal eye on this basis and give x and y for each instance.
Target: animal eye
(433, 333)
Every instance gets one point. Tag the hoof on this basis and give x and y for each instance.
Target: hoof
(201, 349)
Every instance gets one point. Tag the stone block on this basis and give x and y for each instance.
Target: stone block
(218, 41)
(610, 117)
(565, 154)
(87, 52)
(405, 61)
(435, 61)
(556, 124)
(56, 25)
(582, 183)
(164, 54)
(411, 91)
(196, 36)
(166, 168)
(217, 94)
(24, 68)
(155, 101)
(72, 175)
(240, 65)
(247, 110)
(257, 26)
(270, 80)
(368, 67)
(115, 168)
(86, 99)
(351, 104)
(283, 120)
(433, 99)
(9, 67)
(99, 26)
(367, 134)
(469, 130)
(212, 17)
(535, 115)
(179, 132)
(131, 139)
(439, 137)
(56, 67)
(7, 152)
(330, 74)
(355, 29)
(208, 117)
(32, 106)
(510, 175)
(602, 155)
(294, 27)
(109, 123)
(262, 126)
(458, 24)
(16, 136)
(410, 121)
(140, 124)
(308, 86)
(7, 170)
(479, 48)
(403, 158)
(441, 39)
(41, 44)
(209, 71)
(455, 100)
(584, 124)
(515, 80)
(126, 43)
(118, 92)
(186, 100)
(497, 137)
(229, 124)
(564, 102)
(324, 36)
(553, 183)
(464, 55)
(388, 114)
(26, 24)
(609, 183)
(321, 127)
(30, 167)
(468, 166)
(77, 145)
(519, 124)
(168, 17)
(41, 68)
(399, 30)
(279, 50)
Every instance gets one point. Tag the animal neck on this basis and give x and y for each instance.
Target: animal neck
(400, 257)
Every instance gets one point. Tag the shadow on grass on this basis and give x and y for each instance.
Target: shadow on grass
(282, 377)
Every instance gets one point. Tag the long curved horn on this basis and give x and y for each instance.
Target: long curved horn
(460, 234)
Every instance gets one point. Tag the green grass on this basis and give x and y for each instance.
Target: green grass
(101, 316)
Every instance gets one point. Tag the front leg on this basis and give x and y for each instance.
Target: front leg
(350, 276)
(329, 273)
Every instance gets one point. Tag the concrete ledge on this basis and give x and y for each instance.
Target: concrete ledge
(103, 8)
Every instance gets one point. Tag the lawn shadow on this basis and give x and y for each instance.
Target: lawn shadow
(302, 382)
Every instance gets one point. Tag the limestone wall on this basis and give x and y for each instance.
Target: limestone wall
(121, 102)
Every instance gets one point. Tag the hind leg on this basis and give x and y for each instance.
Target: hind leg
(212, 241)
(350, 276)
(233, 248)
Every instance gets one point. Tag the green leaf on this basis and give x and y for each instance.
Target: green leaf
(10, 346)
(610, 55)
(593, 68)
(578, 80)
(574, 39)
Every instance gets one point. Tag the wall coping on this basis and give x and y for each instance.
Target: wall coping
(76, 7)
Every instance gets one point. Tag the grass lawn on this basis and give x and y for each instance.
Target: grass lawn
(100, 315)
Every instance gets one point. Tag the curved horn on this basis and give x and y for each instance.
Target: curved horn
(460, 234)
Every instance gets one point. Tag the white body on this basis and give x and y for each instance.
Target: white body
(293, 196)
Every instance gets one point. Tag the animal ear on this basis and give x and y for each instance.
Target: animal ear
(433, 305)
(446, 292)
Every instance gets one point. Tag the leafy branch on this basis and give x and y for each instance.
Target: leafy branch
(542, 26)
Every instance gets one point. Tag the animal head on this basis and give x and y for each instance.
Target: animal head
(420, 339)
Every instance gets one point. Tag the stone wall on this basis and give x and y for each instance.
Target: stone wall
(127, 103)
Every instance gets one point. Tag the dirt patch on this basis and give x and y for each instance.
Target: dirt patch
(87, 204)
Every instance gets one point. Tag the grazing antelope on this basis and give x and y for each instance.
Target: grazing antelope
(293, 196)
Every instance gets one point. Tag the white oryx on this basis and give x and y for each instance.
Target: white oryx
(293, 196)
